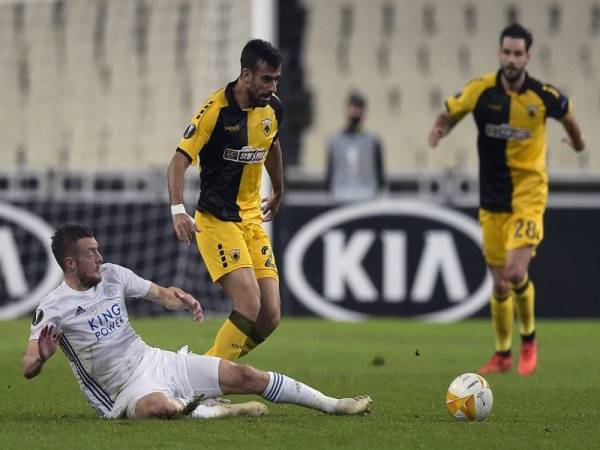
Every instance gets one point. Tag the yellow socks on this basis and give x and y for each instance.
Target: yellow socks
(236, 337)
(524, 299)
(502, 319)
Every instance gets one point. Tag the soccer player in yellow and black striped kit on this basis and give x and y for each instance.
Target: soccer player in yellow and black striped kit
(510, 110)
(232, 137)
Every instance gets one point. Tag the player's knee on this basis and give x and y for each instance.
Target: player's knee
(514, 275)
(501, 287)
(271, 321)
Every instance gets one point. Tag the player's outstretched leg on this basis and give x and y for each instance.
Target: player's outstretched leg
(283, 389)
(278, 388)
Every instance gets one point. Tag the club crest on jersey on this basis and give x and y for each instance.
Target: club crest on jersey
(531, 110)
(110, 290)
(189, 131)
(266, 126)
(235, 254)
(38, 315)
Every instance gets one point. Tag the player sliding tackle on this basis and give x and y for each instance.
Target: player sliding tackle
(119, 374)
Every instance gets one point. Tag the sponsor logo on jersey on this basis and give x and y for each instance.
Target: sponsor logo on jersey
(38, 315)
(389, 257)
(106, 322)
(247, 155)
(189, 131)
(504, 131)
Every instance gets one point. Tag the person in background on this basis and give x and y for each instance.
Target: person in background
(355, 168)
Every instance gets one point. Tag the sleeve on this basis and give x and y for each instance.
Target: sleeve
(379, 164)
(46, 313)
(464, 102)
(557, 104)
(277, 106)
(329, 173)
(133, 285)
(199, 131)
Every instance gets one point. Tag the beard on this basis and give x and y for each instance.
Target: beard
(516, 73)
(354, 123)
(89, 281)
(256, 100)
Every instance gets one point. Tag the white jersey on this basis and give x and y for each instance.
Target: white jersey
(100, 343)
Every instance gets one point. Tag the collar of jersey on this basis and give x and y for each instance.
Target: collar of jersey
(231, 101)
(79, 292)
(500, 87)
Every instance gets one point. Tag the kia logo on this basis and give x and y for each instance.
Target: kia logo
(33, 231)
(399, 257)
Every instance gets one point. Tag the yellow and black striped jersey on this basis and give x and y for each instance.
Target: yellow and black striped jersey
(231, 145)
(511, 139)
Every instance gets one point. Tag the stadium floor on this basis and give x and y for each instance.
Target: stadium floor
(556, 408)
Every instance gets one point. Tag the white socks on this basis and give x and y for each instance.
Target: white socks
(283, 389)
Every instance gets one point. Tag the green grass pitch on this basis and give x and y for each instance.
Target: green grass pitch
(556, 408)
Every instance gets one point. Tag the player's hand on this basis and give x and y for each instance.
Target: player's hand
(48, 342)
(270, 206)
(435, 135)
(185, 227)
(567, 140)
(190, 303)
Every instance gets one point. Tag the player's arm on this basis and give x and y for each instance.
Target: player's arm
(274, 166)
(381, 178)
(575, 139)
(184, 225)
(442, 125)
(175, 299)
(194, 138)
(329, 173)
(457, 106)
(39, 351)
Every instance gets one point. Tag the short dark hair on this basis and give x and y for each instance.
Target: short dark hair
(256, 50)
(357, 99)
(65, 239)
(517, 31)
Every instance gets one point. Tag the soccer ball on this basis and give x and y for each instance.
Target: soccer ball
(469, 397)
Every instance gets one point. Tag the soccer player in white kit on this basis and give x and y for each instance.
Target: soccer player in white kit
(119, 374)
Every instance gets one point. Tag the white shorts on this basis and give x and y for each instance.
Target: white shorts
(167, 372)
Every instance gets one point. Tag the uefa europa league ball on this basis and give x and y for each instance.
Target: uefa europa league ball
(469, 397)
